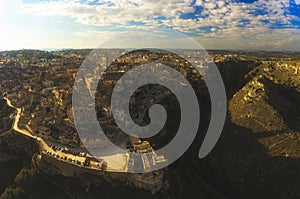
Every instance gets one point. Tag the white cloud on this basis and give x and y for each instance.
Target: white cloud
(260, 38)
(227, 20)
(121, 12)
(216, 12)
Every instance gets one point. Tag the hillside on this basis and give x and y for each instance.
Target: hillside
(257, 155)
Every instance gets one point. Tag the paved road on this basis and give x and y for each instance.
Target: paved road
(43, 145)
(17, 118)
(113, 160)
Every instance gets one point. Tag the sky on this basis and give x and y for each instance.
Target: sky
(214, 24)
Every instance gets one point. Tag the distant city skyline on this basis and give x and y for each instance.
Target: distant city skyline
(231, 24)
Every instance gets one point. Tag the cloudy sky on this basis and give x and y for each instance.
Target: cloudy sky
(215, 24)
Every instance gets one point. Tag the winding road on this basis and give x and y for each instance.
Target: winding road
(39, 140)
(16, 121)
(113, 160)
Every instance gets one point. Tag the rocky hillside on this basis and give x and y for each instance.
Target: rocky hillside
(257, 155)
(270, 103)
(258, 152)
(5, 121)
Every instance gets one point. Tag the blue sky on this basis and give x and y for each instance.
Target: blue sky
(215, 24)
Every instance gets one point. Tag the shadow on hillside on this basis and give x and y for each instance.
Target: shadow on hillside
(240, 167)
(286, 101)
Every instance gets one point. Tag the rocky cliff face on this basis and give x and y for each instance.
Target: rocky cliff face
(269, 103)
(257, 156)
(89, 179)
(258, 152)
(15, 156)
(5, 119)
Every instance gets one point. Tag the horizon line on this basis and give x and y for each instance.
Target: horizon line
(211, 49)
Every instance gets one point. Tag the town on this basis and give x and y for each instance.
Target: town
(39, 85)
